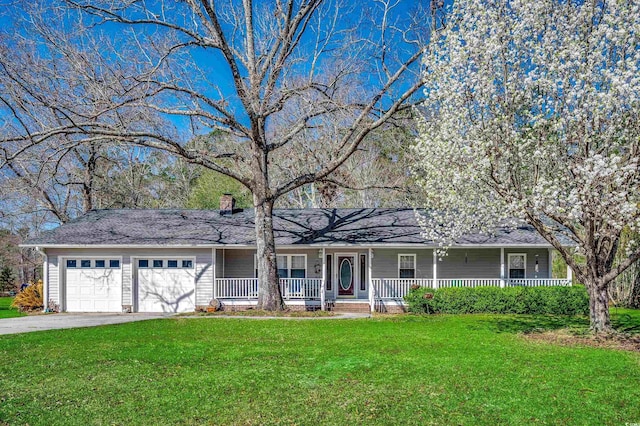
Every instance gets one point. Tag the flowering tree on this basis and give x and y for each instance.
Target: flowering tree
(532, 114)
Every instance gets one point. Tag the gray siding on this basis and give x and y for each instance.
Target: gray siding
(385, 262)
(470, 263)
(53, 279)
(238, 263)
(220, 263)
(204, 278)
(543, 262)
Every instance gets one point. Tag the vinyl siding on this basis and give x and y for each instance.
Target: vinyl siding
(204, 277)
(470, 263)
(385, 262)
(239, 263)
(220, 255)
(543, 262)
(53, 279)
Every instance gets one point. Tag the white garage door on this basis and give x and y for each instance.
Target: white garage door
(93, 285)
(166, 285)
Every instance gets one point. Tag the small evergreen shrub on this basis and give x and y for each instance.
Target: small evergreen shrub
(495, 300)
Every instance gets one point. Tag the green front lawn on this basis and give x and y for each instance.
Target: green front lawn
(475, 369)
(6, 311)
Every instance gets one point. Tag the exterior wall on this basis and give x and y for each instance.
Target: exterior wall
(543, 262)
(470, 263)
(239, 263)
(220, 254)
(53, 282)
(203, 269)
(385, 262)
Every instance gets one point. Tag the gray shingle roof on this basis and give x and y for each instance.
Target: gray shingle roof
(292, 227)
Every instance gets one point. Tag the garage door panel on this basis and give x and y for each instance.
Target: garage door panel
(93, 289)
(166, 290)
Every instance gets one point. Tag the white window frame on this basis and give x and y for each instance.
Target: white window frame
(288, 256)
(415, 264)
(509, 256)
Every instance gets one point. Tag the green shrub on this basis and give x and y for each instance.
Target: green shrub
(495, 300)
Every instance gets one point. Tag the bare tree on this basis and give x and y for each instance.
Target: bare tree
(270, 75)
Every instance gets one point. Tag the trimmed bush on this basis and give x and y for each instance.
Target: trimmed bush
(495, 300)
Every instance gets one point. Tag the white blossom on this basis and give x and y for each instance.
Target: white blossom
(532, 113)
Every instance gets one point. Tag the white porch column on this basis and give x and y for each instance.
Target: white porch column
(502, 270)
(372, 300)
(569, 275)
(435, 268)
(323, 284)
(214, 253)
(550, 265)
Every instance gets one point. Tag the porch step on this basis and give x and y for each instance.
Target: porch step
(356, 306)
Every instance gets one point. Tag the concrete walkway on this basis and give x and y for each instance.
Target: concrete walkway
(59, 321)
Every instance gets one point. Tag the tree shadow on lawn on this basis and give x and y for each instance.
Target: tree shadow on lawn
(622, 322)
(536, 323)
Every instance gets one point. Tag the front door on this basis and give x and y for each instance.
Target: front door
(346, 278)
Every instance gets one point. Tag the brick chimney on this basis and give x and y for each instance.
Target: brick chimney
(227, 204)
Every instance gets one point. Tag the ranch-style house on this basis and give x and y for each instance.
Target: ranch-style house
(341, 259)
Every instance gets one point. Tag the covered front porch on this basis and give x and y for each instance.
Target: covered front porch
(326, 278)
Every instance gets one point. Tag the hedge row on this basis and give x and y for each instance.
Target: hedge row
(495, 300)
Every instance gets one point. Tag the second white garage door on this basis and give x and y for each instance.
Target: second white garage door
(166, 285)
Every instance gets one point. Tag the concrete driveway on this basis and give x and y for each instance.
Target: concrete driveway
(58, 321)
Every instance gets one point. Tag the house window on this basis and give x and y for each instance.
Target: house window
(100, 263)
(114, 263)
(157, 263)
(292, 266)
(187, 264)
(329, 272)
(363, 272)
(143, 263)
(71, 263)
(172, 263)
(283, 267)
(298, 266)
(517, 265)
(85, 263)
(406, 266)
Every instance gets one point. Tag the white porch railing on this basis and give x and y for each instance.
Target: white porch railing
(469, 282)
(247, 288)
(396, 288)
(300, 288)
(539, 282)
(236, 288)
(382, 288)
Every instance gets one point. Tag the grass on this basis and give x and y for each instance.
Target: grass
(466, 369)
(6, 311)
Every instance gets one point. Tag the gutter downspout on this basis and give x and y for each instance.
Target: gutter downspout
(45, 280)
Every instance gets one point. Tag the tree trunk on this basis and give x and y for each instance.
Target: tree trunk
(269, 296)
(599, 308)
